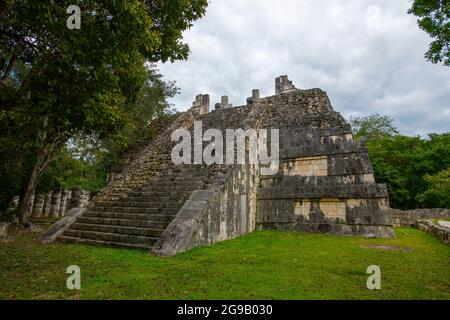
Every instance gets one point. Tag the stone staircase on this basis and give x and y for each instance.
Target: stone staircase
(137, 220)
(325, 182)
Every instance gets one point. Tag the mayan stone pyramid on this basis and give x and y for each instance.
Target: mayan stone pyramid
(324, 181)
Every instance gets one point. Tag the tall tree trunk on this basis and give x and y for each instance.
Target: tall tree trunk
(45, 156)
(25, 200)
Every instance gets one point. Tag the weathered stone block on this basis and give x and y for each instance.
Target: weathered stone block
(38, 208)
(4, 226)
(201, 195)
(192, 210)
(324, 183)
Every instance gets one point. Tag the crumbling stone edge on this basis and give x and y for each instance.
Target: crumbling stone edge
(221, 212)
(431, 227)
(62, 225)
(410, 218)
(182, 233)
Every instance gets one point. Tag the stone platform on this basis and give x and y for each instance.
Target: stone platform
(323, 183)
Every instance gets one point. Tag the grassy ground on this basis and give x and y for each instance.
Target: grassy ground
(262, 265)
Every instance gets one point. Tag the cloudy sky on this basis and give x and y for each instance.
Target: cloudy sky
(368, 55)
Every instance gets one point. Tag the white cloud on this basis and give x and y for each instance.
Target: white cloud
(373, 18)
(368, 56)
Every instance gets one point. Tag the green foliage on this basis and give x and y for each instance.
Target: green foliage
(404, 163)
(438, 192)
(86, 160)
(393, 160)
(150, 103)
(57, 83)
(373, 126)
(434, 18)
(70, 171)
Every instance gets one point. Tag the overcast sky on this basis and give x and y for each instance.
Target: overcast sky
(368, 55)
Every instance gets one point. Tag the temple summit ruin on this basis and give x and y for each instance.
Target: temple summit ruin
(324, 182)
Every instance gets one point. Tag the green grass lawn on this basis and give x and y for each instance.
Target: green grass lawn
(262, 265)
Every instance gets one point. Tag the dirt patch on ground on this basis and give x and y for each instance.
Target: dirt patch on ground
(387, 248)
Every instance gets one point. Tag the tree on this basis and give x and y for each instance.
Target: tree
(87, 160)
(434, 18)
(437, 194)
(56, 83)
(404, 163)
(71, 169)
(150, 102)
(373, 127)
(392, 158)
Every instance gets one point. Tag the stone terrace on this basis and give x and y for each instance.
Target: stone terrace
(324, 183)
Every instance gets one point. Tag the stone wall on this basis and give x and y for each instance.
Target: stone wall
(227, 207)
(158, 126)
(212, 216)
(440, 231)
(307, 167)
(325, 181)
(151, 161)
(409, 218)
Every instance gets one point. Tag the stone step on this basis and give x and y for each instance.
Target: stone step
(170, 195)
(193, 170)
(157, 198)
(148, 211)
(183, 175)
(140, 204)
(130, 216)
(74, 240)
(110, 237)
(139, 219)
(182, 185)
(173, 183)
(173, 188)
(105, 228)
(178, 174)
(179, 177)
(125, 222)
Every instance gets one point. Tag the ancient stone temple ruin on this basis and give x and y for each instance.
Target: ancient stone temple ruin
(324, 182)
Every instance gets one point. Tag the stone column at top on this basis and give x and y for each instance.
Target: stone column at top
(224, 103)
(255, 96)
(201, 104)
(283, 85)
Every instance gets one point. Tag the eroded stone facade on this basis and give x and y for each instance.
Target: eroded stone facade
(306, 167)
(324, 183)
